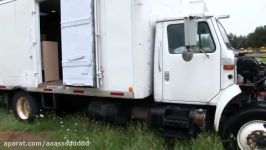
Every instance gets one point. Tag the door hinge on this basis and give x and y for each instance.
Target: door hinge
(100, 76)
(36, 74)
(34, 44)
(33, 13)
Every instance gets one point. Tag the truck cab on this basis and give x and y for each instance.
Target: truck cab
(211, 67)
(198, 77)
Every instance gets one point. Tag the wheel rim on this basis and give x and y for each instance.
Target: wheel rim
(23, 108)
(252, 135)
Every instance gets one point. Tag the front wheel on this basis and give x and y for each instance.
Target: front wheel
(252, 135)
(246, 129)
(24, 106)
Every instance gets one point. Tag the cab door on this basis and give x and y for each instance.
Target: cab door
(197, 80)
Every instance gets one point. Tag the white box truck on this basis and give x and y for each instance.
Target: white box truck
(132, 59)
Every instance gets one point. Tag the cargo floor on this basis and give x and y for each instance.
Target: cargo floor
(52, 84)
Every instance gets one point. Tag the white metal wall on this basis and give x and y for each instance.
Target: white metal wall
(19, 47)
(77, 26)
(126, 42)
(116, 44)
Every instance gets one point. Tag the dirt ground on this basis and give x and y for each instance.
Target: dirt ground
(8, 136)
(24, 136)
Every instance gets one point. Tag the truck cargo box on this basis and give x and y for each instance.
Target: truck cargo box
(104, 45)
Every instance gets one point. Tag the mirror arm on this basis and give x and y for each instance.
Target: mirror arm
(207, 55)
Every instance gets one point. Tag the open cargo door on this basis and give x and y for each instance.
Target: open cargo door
(77, 27)
(19, 43)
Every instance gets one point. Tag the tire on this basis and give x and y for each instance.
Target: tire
(24, 106)
(242, 127)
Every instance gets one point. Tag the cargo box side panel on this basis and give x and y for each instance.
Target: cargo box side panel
(77, 27)
(115, 21)
(18, 44)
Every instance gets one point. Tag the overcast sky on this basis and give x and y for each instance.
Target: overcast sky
(245, 15)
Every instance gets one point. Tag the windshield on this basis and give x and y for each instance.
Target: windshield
(224, 35)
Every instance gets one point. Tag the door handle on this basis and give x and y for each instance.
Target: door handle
(76, 58)
(159, 56)
(167, 76)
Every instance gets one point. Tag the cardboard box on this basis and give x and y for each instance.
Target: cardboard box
(50, 61)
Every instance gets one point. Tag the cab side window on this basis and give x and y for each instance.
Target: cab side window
(205, 40)
(176, 39)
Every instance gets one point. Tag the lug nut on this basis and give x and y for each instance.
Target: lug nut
(249, 141)
(253, 145)
(252, 136)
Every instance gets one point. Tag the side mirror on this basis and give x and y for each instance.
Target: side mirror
(191, 30)
(191, 27)
(187, 54)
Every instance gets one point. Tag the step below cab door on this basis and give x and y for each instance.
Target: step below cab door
(78, 48)
(197, 80)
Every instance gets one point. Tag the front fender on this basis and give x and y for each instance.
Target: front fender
(225, 96)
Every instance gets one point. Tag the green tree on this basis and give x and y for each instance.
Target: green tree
(255, 39)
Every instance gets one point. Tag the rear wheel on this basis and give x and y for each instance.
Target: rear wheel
(24, 106)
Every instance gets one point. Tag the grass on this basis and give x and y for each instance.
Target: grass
(100, 135)
(263, 59)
